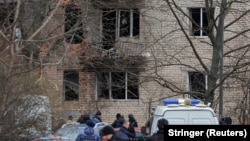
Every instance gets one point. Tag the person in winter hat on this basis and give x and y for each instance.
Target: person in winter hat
(115, 124)
(97, 117)
(132, 124)
(120, 121)
(132, 120)
(83, 119)
(159, 135)
(88, 133)
(108, 134)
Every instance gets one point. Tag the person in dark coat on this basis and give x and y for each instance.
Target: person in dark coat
(115, 124)
(88, 133)
(120, 121)
(159, 135)
(124, 129)
(228, 120)
(132, 123)
(225, 121)
(108, 134)
(132, 120)
(97, 117)
(83, 119)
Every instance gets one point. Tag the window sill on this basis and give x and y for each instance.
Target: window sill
(128, 38)
(120, 100)
(198, 37)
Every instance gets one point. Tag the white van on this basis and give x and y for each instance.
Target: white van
(183, 112)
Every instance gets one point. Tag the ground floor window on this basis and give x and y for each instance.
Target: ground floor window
(71, 85)
(197, 83)
(118, 85)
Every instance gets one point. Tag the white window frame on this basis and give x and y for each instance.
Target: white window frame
(118, 13)
(201, 21)
(131, 12)
(68, 81)
(110, 87)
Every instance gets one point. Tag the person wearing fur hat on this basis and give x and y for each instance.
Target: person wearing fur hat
(88, 133)
(108, 134)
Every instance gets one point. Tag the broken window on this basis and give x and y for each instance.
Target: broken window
(71, 85)
(119, 23)
(132, 86)
(73, 26)
(129, 23)
(109, 27)
(197, 83)
(199, 23)
(117, 85)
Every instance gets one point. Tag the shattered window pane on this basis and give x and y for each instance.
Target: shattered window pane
(71, 85)
(73, 25)
(133, 85)
(136, 22)
(196, 18)
(125, 23)
(109, 27)
(117, 85)
(103, 85)
(199, 22)
(197, 83)
(119, 23)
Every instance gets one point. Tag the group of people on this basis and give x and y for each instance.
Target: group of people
(95, 119)
(108, 133)
(122, 129)
(125, 126)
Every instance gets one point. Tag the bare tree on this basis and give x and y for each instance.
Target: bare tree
(204, 35)
(21, 69)
(215, 14)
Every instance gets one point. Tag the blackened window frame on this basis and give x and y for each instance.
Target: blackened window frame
(113, 25)
(71, 85)
(118, 85)
(73, 26)
(197, 82)
(198, 22)
(131, 27)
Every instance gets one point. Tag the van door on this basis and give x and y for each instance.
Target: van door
(177, 117)
(200, 117)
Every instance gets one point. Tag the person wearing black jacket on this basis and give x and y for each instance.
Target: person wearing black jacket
(83, 119)
(132, 120)
(132, 124)
(115, 124)
(125, 129)
(109, 134)
(159, 135)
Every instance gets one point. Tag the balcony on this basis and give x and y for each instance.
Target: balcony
(121, 54)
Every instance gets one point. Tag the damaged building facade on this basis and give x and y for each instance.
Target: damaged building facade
(125, 56)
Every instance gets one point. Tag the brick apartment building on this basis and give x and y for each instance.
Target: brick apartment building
(111, 55)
